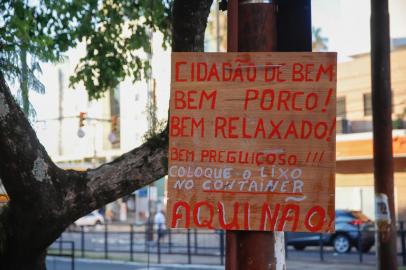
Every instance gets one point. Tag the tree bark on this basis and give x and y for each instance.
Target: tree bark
(45, 199)
(189, 23)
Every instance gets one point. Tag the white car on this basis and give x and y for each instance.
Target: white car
(91, 219)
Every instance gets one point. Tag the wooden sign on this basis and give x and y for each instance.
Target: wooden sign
(252, 141)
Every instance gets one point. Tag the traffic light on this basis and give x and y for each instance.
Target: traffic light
(114, 123)
(113, 136)
(82, 118)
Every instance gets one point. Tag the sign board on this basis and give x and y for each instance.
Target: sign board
(252, 141)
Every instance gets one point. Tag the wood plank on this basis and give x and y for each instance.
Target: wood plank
(252, 141)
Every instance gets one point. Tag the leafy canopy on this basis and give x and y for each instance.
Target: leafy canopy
(114, 32)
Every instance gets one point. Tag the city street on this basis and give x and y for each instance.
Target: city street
(85, 264)
(181, 247)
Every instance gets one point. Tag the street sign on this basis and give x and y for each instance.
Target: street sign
(252, 141)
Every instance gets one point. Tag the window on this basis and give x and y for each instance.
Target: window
(341, 107)
(367, 104)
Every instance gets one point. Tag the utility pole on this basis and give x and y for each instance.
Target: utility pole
(60, 112)
(382, 139)
(261, 26)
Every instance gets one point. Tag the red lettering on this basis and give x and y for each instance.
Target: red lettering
(191, 99)
(213, 72)
(283, 98)
(297, 75)
(266, 214)
(320, 130)
(275, 129)
(294, 101)
(177, 72)
(250, 94)
(245, 135)
(316, 214)
(201, 71)
(251, 76)
(246, 216)
(194, 100)
(176, 216)
(220, 125)
(267, 95)
(328, 71)
(233, 224)
(212, 96)
(290, 213)
(303, 133)
(291, 131)
(226, 70)
(311, 106)
(309, 69)
(238, 73)
(205, 223)
(180, 102)
(181, 154)
(260, 128)
(186, 126)
(276, 73)
(232, 127)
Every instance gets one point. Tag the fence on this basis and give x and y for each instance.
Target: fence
(61, 251)
(141, 243)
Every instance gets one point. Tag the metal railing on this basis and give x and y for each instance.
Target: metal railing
(115, 241)
(61, 251)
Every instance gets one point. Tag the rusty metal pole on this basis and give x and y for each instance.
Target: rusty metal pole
(382, 130)
(254, 26)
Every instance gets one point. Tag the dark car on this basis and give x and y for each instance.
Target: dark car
(353, 228)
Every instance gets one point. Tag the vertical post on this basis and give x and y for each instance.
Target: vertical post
(60, 243)
(382, 138)
(195, 241)
(72, 248)
(159, 243)
(106, 239)
(221, 247)
(402, 240)
(82, 241)
(258, 26)
(321, 247)
(189, 253)
(286, 247)
(361, 259)
(131, 243)
(169, 241)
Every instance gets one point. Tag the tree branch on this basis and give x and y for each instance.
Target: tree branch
(96, 187)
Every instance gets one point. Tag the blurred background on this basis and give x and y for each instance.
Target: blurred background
(79, 133)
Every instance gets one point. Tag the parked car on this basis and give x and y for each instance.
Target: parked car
(92, 219)
(347, 224)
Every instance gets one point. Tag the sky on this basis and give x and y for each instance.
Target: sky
(346, 24)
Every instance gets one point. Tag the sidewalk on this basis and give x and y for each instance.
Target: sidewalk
(90, 264)
(300, 265)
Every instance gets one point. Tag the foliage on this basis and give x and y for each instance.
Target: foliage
(153, 133)
(114, 32)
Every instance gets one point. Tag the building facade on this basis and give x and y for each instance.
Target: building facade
(354, 178)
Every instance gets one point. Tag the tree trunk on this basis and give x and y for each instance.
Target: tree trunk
(45, 199)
